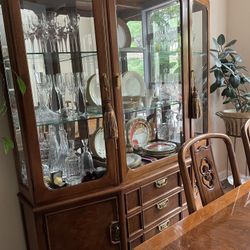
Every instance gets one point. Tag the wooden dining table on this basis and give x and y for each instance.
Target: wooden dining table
(222, 224)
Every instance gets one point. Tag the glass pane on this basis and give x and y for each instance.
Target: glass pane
(199, 41)
(149, 41)
(63, 67)
(22, 163)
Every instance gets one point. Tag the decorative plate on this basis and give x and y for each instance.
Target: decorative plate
(160, 148)
(93, 91)
(132, 84)
(123, 33)
(97, 144)
(133, 160)
(139, 132)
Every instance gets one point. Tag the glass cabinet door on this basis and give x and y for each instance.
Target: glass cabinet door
(21, 160)
(199, 67)
(149, 41)
(63, 69)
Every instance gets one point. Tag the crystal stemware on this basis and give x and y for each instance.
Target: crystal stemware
(43, 113)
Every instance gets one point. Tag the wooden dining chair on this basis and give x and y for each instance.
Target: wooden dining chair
(245, 135)
(203, 166)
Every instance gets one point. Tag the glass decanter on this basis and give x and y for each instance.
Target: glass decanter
(73, 166)
(53, 151)
(63, 151)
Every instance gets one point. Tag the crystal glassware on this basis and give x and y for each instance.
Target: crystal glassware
(53, 151)
(44, 88)
(63, 151)
(73, 166)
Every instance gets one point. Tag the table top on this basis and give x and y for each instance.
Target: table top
(222, 224)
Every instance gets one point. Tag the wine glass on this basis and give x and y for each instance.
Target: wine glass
(81, 92)
(43, 113)
(73, 29)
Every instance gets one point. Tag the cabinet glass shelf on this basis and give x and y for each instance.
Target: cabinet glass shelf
(162, 105)
(62, 53)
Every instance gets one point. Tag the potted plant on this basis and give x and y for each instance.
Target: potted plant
(230, 78)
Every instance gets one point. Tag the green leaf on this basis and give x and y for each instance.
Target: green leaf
(225, 92)
(219, 77)
(221, 39)
(228, 68)
(227, 101)
(242, 67)
(216, 60)
(237, 58)
(213, 87)
(234, 81)
(215, 42)
(21, 85)
(231, 43)
(214, 50)
(231, 50)
(7, 144)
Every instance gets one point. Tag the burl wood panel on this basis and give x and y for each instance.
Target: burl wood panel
(222, 224)
(86, 227)
(150, 191)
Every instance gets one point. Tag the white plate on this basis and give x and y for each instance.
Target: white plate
(123, 33)
(139, 132)
(133, 160)
(99, 148)
(132, 84)
(94, 91)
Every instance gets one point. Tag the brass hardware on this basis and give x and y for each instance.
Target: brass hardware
(114, 232)
(164, 225)
(162, 204)
(161, 182)
(118, 81)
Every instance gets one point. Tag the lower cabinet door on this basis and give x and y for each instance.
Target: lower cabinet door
(91, 226)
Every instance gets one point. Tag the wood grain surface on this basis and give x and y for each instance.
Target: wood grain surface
(222, 224)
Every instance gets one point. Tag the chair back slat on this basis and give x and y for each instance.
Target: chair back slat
(204, 168)
(206, 173)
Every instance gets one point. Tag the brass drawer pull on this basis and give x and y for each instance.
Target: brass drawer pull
(164, 225)
(162, 204)
(161, 182)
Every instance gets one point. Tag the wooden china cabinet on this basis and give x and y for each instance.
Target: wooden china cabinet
(107, 104)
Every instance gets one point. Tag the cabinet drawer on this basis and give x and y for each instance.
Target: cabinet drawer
(134, 224)
(163, 225)
(159, 187)
(134, 243)
(132, 200)
(161, 208)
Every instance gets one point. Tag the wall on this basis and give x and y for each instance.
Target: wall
(237, 28)
(11, 230)
(218, 25)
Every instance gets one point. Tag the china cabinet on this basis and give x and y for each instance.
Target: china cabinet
(99, 95)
